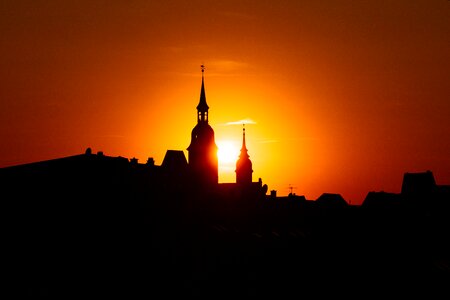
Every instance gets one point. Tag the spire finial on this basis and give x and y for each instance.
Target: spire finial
(202, 66)
(244, 147)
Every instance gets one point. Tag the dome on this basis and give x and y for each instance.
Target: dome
(202, 134)
(244, 163)
(202, 131)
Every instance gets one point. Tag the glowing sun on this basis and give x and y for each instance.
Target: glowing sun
(228, 152)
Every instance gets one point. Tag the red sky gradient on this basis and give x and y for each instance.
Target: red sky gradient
(346, 96)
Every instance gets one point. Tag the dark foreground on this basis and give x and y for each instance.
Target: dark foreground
(136, 249)
(94, 226)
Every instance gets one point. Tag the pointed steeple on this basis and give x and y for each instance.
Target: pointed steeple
(244, 164)
(203, 161)
(244, 151)
(202, 107)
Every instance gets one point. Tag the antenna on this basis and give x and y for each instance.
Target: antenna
(291, 188)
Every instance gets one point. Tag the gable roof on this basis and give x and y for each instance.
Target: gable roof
(174, 159)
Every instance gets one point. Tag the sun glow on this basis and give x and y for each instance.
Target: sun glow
(227, 153)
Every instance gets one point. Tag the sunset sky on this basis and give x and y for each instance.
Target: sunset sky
(338, 96)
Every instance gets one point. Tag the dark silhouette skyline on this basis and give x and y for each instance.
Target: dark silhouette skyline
(97, 225)
(337, 93)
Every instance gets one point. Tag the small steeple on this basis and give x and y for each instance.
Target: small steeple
(244, 151)
(202, 107)
(244, 164)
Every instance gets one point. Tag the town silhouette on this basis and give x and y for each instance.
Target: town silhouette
(93, 225)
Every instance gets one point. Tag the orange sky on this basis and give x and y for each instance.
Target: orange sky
(346, 96)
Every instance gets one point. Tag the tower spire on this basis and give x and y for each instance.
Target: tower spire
(203, 161)
(244, 164)
(202, 107)
(244, 151)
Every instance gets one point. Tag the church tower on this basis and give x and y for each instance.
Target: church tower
(202, 152)
(244, 164)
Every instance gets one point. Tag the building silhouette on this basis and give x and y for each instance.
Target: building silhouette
(101, 225)
(202, 156)
(244, 164)
(197, 175)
